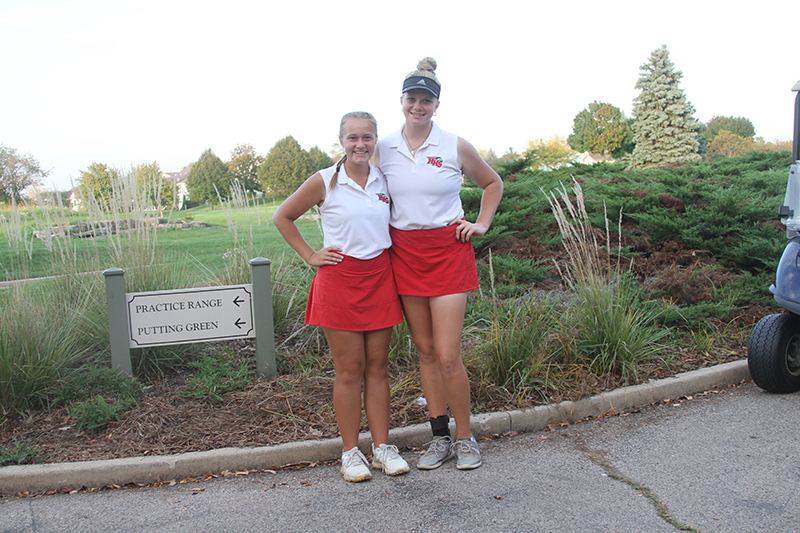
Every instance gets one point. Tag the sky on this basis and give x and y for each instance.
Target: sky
(128, 82)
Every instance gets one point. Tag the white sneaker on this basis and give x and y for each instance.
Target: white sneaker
(387, 458)
(355, 467)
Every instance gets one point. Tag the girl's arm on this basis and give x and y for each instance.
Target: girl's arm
(309, 194)
(474, 167)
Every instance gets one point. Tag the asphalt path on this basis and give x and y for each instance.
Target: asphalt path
(727, 460)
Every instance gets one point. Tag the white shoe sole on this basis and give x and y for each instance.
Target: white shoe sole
(357, 479)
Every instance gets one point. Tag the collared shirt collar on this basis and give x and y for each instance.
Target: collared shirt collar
(345, 179)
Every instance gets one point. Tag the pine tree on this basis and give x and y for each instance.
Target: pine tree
(319, 159)
(665, 131)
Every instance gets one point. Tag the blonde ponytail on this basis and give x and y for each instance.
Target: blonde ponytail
(335, 177)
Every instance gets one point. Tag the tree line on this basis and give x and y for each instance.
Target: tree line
(662, 132)
(281, 172)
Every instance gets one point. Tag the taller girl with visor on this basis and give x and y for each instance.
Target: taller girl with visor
(432, 254)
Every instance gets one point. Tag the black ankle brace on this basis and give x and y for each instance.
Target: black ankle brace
(440, 426)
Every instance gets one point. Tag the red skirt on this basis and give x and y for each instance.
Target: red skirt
(355, 295)
(431, 262)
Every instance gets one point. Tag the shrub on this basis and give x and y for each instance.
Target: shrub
(216, 376)
(20, 453)
(95, 414)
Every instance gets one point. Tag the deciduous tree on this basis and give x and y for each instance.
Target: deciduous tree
(243, 165)
(550, 153)
(17, 172)
(208, 177)
(772, 146)
(730, 144)
(490, 157)
(286, 167)
(152, 184)
(665, 130)
(737, 125)
(336, 152)
(603, 129)
(98, 182)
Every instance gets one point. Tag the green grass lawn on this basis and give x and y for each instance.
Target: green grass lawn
(204, 248)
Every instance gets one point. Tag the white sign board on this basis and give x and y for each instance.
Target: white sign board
(190, 315)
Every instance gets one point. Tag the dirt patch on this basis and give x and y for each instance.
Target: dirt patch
(273, 411)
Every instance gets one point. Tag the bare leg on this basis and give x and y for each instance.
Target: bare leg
(349, 360)
(418, 317)
(448, 324)
(376, 384)
(436, 324)
(360, 357)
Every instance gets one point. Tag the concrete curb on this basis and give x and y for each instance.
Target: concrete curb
(58, 476)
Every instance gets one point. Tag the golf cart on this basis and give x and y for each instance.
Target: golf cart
(773, 353)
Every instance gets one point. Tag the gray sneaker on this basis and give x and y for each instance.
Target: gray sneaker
(440, 450)
(469, 456)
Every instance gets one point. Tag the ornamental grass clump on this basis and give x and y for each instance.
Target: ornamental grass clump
(610, 327)
(515, 352)
(41, 338)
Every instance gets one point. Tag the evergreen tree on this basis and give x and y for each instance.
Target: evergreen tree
(319, 159)
(244, 165)
(286, 167)
(209, 172)
(665, 131)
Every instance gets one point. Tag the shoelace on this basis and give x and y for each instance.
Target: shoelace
(439, 444)
(464, 446)
(386, 452)
(353, 459)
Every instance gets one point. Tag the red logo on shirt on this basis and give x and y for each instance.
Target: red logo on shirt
(383, 198)
(435, 161)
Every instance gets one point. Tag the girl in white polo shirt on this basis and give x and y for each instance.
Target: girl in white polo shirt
(432, 254)
(353, 296)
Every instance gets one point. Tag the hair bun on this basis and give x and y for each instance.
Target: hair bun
(428, 63)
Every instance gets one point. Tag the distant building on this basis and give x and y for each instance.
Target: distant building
(586, 158)
(178, 179)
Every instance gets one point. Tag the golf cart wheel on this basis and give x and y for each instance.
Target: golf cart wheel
(773, 353)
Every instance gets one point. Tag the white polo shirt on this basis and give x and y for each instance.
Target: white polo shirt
(355, 219)
(425, 188)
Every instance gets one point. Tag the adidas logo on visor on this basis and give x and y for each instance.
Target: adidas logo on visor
(421, 82)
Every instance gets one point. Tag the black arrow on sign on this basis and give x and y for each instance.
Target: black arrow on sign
(237, 301)
(239, 323)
